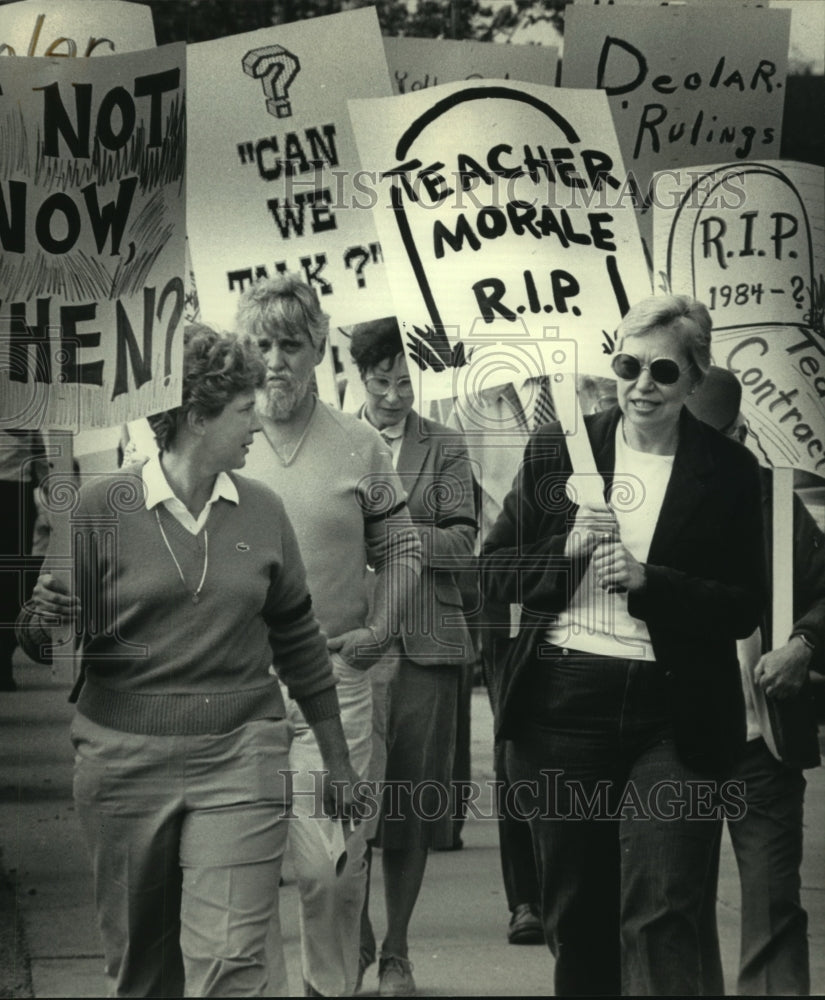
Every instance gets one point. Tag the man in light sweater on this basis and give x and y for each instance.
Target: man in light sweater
(346, 503)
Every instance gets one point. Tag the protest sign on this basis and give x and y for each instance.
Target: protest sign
(687, 85)
(663, 3)
(501, 232)
(273, 170)
(92, 229)
(417, 63)
(748, 240)
(78, 28)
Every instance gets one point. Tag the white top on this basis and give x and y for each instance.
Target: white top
(596, 621)
(158, 491)
(392, 435)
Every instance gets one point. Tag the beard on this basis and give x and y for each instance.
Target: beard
(281, 399)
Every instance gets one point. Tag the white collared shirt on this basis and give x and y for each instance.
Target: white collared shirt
(393, 435)
(158, 491)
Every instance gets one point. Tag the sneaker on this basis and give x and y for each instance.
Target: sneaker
(395, 977)
(525, 926)
(364, 962)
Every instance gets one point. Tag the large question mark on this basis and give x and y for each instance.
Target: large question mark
(798, 285)
(361, 254)
(373, 252)
(173, 287)
(276, 69)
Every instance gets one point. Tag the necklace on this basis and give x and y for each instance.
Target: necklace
(286, 456)
(196, 596)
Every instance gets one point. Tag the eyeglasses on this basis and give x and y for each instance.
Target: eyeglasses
(380, 386)
(664, 371)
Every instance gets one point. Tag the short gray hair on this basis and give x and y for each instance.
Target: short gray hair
(687, 317)
(284, 302)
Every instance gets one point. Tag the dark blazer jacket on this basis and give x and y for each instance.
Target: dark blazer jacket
(705, 576)
(435, 472)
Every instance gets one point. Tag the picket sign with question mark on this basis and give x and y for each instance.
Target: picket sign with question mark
(276, 68)
(363, 255)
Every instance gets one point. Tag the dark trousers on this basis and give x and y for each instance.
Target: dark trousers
(518, 865)
(767, 842)
(624, 832)
(515, 841)
(18, 569)
(462, 764)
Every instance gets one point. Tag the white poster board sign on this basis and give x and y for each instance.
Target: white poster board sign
(501, 231)
(79, 28)
(92, 231)
(274, 180)
(417, 63)
(749, 241)
(687, 84)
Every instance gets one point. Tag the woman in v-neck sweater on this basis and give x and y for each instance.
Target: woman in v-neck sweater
(188, 589)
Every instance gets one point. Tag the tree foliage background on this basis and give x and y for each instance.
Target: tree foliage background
(202, 20)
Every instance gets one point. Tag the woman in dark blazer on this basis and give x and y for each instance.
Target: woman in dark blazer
(620, 692)
(422, 696)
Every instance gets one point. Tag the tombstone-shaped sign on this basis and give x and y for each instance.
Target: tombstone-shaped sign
(500, 212)
(747, 239)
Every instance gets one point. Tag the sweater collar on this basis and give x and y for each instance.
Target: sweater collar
(158, 490)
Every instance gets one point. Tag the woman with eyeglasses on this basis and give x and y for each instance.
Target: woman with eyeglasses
(415, 690)
(620, 694)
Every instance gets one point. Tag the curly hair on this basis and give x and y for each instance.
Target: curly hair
(216, 368)
(686, 316)
(376, 341)
(285, 302)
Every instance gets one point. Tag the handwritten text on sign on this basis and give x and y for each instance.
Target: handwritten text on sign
(417, 63)
(687, 85)
(502, 210)
(74, 29)
(748, 241)
(274, 178)
(92, 232)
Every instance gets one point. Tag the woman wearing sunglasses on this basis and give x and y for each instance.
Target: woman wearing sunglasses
(621, 693)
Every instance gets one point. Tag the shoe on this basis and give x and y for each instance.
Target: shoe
(364, 962)
(456, 845)
(395, 977)
(525, 926)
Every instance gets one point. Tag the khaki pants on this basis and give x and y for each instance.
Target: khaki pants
(186, 836)
(330, 901)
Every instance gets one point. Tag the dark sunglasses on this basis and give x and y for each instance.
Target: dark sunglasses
(664, 371)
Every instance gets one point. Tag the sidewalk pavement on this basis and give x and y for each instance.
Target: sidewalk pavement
(458, 933)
